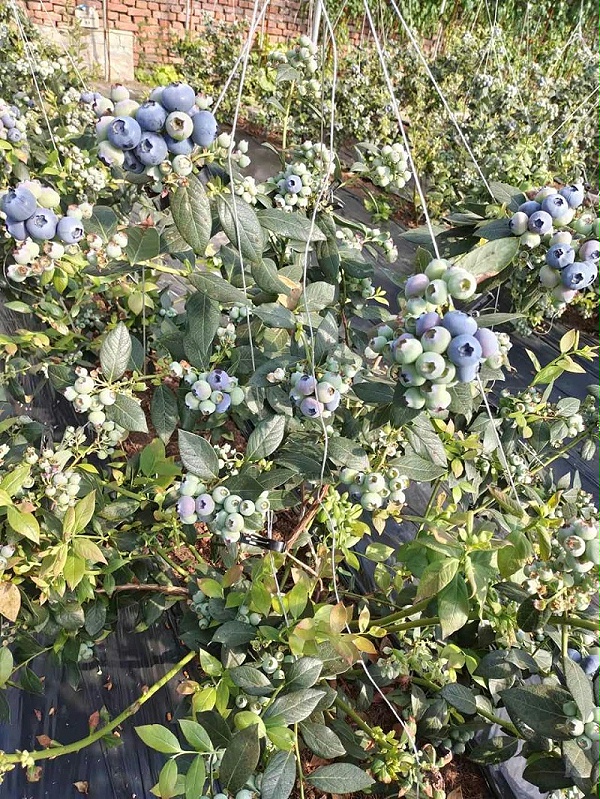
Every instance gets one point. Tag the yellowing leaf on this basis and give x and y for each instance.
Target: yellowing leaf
(10, 601)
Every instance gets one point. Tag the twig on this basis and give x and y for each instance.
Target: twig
(308, 517)
(177, 590)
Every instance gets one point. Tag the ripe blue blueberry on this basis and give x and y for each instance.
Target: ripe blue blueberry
(151, 149)
(18, 204)
(70, 230)
(578, 275)
(16, 230)
(177, 97)
(124, 133)
(131, 163)
(555, 205)
(87, 98)
(573, 194)
(590, 251)
(224, 404)
(42, 225)
(540, 222)
(575, 655)
(489, 342)
(184, 147)
(151, 116)
(306, 385)
(14, 136)
(529, 207)
(205, 505)
(311, 407)
(560, 255)
(467, 373)
(426, 321)
(590, 665)
(218, 380)
(415, 286)
(205, 128)
(7, 121)
(464, 350)
(292, 184)
(186, 507)
(459, 323)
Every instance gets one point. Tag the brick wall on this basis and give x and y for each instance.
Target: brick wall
(154, 22)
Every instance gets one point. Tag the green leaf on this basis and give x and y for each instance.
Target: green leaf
(275, 315)
(95, 616)
(13, 482)
(163, 412)
(128, 413)
(6, 665)
(203, 317)
(547, 774)
(265, 438)
(344, 452)
(251, 680)
(296, 226)
(316, 296)
(460, 697)
(234, 633)
(167, 779)
(579, 764)
(437, 576)
(103, 222)
(340, 778)
(279, 776)
(219, 289)
(240, 759)
(453, 605)
(374, 392)
(529, 618)
(198, 456)
(195, 779)
(378, 553)
(23, 523)
(497, 319)
(321, 740)
(417, 468)
(580, 686)
(196, 735)
(490, 259)
(326, 337)
(18, 307)
(209, 664)
(143, 244)
(191, 213)
(425, 441)
(80, 515)
(538, 707)
(159, 738)
(115, 353)
(216, 727)
(303, 673)
(239, 218)
(295, 706)
(73, 570)
(265, 275)
(507, 195)
(496, 750)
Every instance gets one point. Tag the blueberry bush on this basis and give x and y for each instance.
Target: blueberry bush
(246, 417)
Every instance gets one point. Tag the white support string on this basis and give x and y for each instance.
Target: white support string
(441, 95)
(572, 114)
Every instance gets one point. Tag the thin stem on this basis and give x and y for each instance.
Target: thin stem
(33, 657)
(352, 714)
(299, 763)
(562, 451)
(433, 495)
(165, 556)
(564, 642)
(583, 624)
(177, 590)
(286, 119)
(402, 614)
(77, 746)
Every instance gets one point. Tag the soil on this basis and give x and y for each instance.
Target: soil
(571, 318)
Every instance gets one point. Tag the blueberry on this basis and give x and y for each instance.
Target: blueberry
(205, 128)
(102, 128)
(518, 223)
(18, 204)
(306, 385)
(151, 149)
(186, 507)
(459, 323)
(540, 222)
(578, 275)
(311, 407)
(414, 398)
(293, 184)
(8, 121)
(560, 255)
(70, 230)
(333, 403)
(124, 133)
(151, 116)
(407, 350)
(590, 665)
(461, 284)
(436, 339)
(549, 277)
(437, 398)
(409, 376)
(590, 251)
(573, 194)
(177, 97)
(415, 286)
(426, 321)
(555, 205)
(464, 350)
(126, 108)
(17, 230)
(14, 136)
(488, 340)
(205, 505)
(179, 126)
(218, 380)
(131, 163)
(118, 93)
(430, 365)
(468, 373)
(184, 147)
(575, 655)
(201, 389)
(87, 98)
(224, 404)
(529, 207)
(42, 225)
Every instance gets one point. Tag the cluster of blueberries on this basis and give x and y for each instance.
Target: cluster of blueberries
(211, 392)
(12, 124)
(317, 397)
(140, 138)
(538, 218)
(375, 490)
(225, 514)
(29, 214)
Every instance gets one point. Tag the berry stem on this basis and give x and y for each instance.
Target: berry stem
(298, 763)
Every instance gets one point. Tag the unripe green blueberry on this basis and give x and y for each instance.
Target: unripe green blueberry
(347, 475)
(247, 507)
(437, 398)
(592, 551)
(437, 292)
(570, 708)
(461, 284)
(374, 482)
(107, 396)
(549, 277)
(84, 385)
(436, 268)
(592, 730)
(430, 365)
(232, 503)
(407, 350)
(409, 377)
(237, 395)
(97, 418)
(269, 665)
(234, 523)
(219, 494)
(371, 501)
(241, 701)
(255, 619)
(207, 407)
(416, 306)
(584, 743)
(530, 240)
(436, 339)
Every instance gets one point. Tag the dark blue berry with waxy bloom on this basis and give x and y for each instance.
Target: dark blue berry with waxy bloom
(70, 230)
(205, 128)
(151, 116)
(464, 350)
(560, 255)
(540, 222)
(555, 205)
(151, 150)
(184, 147)
(177, 97)
(529, 207)
(573, 194)
(311, 407)
(42, 224)
(488, 341)
(218, 380)
(459, 323)
(18, 204)
(292, 184)
(124, 133)
(579, 275)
